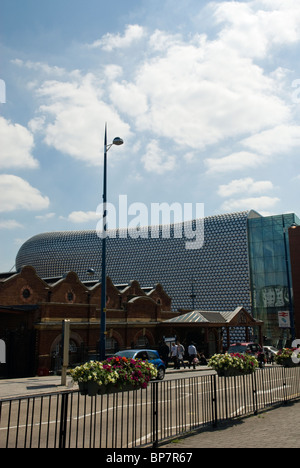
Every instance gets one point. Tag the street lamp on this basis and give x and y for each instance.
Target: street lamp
(118, 142)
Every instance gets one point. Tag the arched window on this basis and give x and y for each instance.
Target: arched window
(111, 346)
(142, 342)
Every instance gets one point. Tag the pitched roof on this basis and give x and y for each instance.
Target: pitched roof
(204, 316)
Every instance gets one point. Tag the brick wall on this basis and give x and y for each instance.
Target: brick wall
(43, 305)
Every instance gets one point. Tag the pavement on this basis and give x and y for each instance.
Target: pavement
(276, 428)
(10, 388)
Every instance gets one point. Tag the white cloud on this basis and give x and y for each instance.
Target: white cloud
(10, 224)
(45, 217)
(234, 162)
(246, 185)
(262, 148)
(200, 91)
(278, 140)
(190, 89)
(74, 114)
(109, 42)
(36, 124)
(17, 144)
(113, 71)
(192, 102)
(193, 90)
(17, 193)
(257, 26)
(40, 67)
(261, 204)
(128, 98)
(80, 217)
(157, 161)
(160, 40)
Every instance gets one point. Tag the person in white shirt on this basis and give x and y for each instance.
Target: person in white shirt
(192, 353)
(174, 356)
(180, 354)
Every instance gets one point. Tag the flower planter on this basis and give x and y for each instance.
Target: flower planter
(232, 372)
(83, 388)
(113, 375)
(109, 389)
(93, 388)
(288, 362)
(88, 388)
(285, 356)
(228, 372)
(235, 364)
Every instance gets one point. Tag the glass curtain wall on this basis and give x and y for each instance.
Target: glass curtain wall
(270, 276)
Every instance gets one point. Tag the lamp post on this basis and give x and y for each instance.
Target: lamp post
(117, 141)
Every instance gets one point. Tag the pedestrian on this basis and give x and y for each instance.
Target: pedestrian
(174, 355)
(180, 354)
(164, 352)
(192, 354)
(202, 360)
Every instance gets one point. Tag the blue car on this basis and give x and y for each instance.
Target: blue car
(146, 355)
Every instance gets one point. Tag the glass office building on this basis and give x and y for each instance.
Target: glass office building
(244, 262)
(270, 275)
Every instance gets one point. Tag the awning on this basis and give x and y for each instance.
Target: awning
(237, 318)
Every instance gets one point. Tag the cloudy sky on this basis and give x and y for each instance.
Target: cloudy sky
(206, 96)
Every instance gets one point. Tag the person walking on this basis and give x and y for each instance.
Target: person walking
(180, 354)
(164, 352)
(174, 356)
(192, 354)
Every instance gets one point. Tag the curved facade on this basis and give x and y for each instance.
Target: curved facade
(216, 275)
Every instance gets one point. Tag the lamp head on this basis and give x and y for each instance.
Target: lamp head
(118, 141)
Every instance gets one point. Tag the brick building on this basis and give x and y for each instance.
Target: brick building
(32, 310)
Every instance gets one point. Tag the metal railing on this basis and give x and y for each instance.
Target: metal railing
(141, 418)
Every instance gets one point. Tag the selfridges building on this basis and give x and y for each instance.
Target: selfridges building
(244, 261)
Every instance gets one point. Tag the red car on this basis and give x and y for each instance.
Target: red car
(249, 348)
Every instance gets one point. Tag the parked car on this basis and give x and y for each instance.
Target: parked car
(270, 353)
(249, 348)
(146, 355)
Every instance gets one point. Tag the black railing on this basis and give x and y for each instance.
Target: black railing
(141, 418)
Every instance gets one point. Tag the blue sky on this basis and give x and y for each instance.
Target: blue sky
(206, 96)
